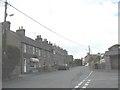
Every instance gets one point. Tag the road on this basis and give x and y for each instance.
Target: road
(77, 77)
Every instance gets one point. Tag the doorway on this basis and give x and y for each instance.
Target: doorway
(25, 65)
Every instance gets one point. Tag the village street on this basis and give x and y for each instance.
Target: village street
(76, 77)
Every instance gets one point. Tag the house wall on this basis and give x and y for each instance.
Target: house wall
(87, 59)
(107, 63)
(11, 40)
(69, 58)
(44, 57)
(114, 62)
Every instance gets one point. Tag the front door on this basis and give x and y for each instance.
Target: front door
(25, 65)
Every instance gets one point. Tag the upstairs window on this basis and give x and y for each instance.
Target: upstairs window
(39, 52)
(33, 50)
(25, 48)
(48, 54)
(43, 53)
(54, 52)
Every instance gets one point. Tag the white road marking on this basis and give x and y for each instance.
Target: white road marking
(89, 80)
(86, 84)
(80, 83)
(77, 86)
(89, 75)
(83, 87)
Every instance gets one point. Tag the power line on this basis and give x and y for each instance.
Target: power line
(44, 26)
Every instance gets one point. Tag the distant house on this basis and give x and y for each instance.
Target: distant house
(60, 55)
(78, 62)
(93, 60)
(111, 57)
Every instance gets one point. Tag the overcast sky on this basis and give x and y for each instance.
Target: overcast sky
(91, 23)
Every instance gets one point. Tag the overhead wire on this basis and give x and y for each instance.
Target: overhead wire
(45, 26)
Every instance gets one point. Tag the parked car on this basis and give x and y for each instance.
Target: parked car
(63, 67)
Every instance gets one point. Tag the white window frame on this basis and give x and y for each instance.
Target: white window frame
(39, 51)
(25, 48)
(33, 50)
(54, 52)
(44, 53)
(25, 65)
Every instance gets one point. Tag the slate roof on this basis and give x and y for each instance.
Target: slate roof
(113, 52)
(29, 41)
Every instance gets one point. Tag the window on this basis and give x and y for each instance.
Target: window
(44, 53)
(33, 50)
(39, 52)
(48, 53)
(25, 65)
(28, 48)
(54, 52)
(25, 48)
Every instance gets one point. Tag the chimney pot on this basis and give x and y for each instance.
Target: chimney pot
(21, 27)
(38, 38)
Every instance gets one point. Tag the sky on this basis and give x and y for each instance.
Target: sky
(85, 23)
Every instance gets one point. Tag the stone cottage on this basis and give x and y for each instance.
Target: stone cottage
(111, 57)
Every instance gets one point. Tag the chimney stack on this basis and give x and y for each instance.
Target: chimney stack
(39, 38)
(21, 31)
(45, 40)
(6, 25)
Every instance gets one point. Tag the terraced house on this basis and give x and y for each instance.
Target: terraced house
(34, 54)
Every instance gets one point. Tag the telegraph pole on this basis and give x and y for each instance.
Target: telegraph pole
(89, 49)
(5, 15)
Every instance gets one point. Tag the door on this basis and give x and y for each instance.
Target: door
(25, 65)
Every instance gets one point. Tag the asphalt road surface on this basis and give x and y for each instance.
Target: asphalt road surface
(76, 77)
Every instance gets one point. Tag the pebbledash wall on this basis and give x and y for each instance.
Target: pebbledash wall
(44, 52)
